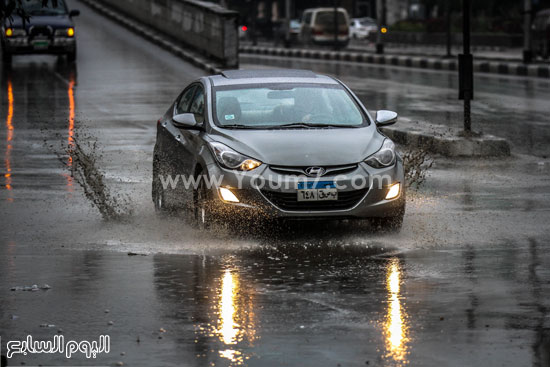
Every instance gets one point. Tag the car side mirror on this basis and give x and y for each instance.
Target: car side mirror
(184, 120)
(385, 118)
(74, 13)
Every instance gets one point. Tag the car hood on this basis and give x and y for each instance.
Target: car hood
(54, 21)
(304, 147)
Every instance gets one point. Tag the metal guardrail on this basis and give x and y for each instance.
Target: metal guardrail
(206, 27)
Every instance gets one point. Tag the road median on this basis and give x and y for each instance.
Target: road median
(423, 62)
(445, 140)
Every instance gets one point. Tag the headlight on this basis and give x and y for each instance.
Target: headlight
(229, 158)
(65, 32)
(15, 32)
(385, 157)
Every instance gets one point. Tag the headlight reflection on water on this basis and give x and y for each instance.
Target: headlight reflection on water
(228, 328)
(395, 325)
(236, 318)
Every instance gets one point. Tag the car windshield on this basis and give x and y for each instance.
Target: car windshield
(367, 22)
(40, 7)
(326, 18)
(286, 106)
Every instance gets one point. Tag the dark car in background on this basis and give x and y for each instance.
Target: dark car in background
(48, 30)
(541, 34)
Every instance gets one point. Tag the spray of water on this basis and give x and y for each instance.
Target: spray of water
(83, 165)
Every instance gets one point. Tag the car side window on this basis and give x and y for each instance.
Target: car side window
(185, 101)
(197, 106)
(307, 18)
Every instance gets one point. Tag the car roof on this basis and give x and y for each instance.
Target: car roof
(324, 9)
(240, 77)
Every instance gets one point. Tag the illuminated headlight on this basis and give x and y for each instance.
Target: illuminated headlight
(228, 195)
(15, 32)
(394, 191)
(65, 32)
(385, 157)
(231, 159)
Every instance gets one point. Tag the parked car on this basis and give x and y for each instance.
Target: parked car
(276, 144)
(541, 34)
(295, 27)
(49, 30)
(361, 28)
(318, 27)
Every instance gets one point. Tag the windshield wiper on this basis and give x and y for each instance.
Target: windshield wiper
(307, 124)
(43, 12)
(239, 126)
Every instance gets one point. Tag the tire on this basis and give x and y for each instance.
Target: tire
(202, 212)
(157, 192)
(71, 56)
(7, 58)
(389, 224)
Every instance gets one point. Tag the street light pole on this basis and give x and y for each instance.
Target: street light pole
(287, 23)
(449, 29)
(527, 46)
(335, 2)
(381, 20)
(466, 67)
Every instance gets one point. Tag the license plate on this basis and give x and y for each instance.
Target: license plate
(317, 195)
(40, 45)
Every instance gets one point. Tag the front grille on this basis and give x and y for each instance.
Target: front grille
(289, 201)
(40, 31)
(301, 171)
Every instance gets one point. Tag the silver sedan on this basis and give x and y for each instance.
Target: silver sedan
(276, 144)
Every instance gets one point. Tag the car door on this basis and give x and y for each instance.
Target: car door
(189, 141)
(169, 140)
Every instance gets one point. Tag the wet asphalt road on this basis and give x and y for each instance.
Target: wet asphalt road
(466, 282)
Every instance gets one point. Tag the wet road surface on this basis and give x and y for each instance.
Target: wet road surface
(466, 282)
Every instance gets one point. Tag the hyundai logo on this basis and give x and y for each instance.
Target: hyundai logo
(315, 171)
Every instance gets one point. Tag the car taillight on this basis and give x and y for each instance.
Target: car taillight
(317, 32)
(244, 28)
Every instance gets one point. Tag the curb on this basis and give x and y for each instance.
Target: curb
(153, 36)
(445, 140)
(493, 67)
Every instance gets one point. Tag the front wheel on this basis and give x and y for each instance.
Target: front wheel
(7, 57)
(71, 56)
(157, 190)
(389, 224)
(202, 205)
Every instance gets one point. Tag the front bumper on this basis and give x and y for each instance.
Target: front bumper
(365, 201)
(329, 39)
(24, 45)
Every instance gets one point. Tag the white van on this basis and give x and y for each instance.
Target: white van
(318, 26)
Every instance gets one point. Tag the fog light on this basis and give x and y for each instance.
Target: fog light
(393, 192)
(228, 196)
